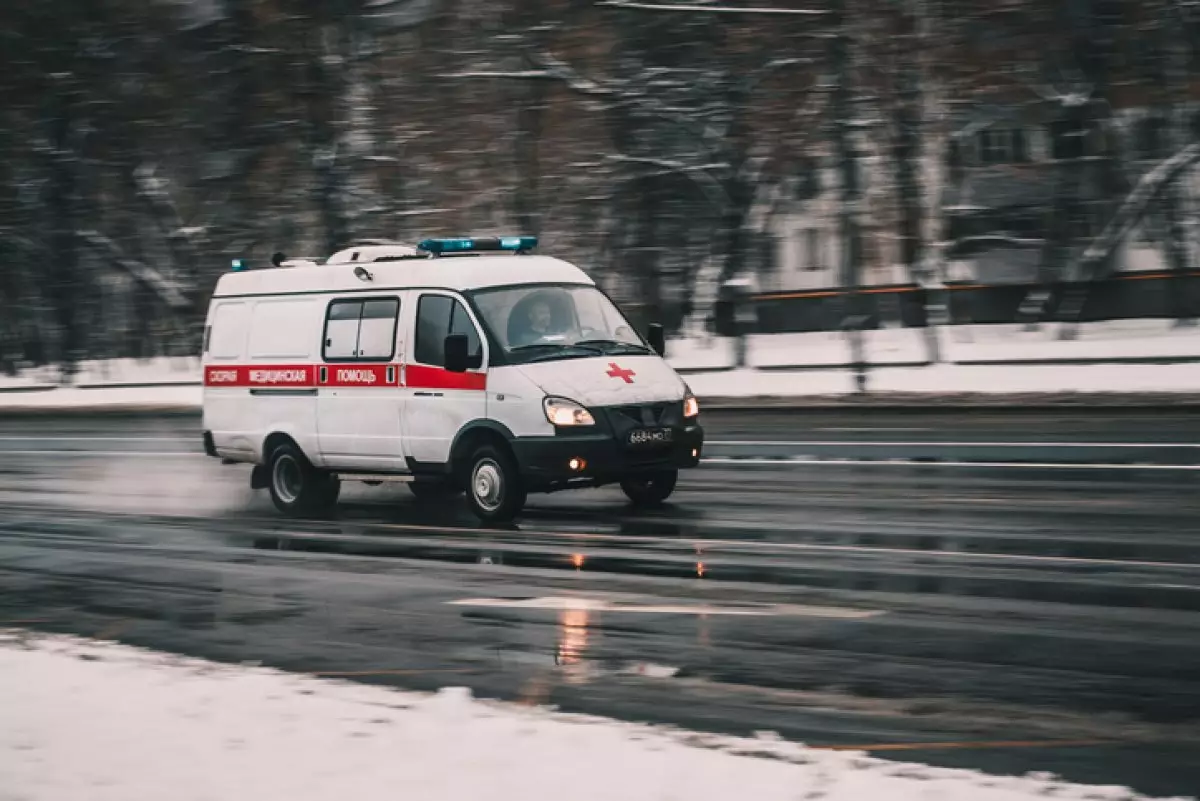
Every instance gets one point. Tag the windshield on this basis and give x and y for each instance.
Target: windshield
(540, 323)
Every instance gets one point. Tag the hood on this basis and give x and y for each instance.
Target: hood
(598, 381)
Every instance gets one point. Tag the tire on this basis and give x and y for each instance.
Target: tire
(650, 489)
(297, 488)
(495, 491)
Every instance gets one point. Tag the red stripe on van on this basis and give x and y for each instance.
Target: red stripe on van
(420, 376)
(357, 375)
(265, 375)
(417, 376)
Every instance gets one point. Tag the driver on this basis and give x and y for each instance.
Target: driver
(540, 318)
(538, 323)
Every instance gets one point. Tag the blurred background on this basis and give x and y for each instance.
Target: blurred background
(837, 163)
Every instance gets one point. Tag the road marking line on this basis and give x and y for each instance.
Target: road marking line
(949, 463)
(953, 444)
(970, 744)
(865, 429)
(173, 454)
(14, 438)
(712, 543)
(597, 605)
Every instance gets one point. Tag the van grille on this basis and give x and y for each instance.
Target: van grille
(648, 414)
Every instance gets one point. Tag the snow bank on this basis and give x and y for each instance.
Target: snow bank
(96, 721)
(1114, 339)
(955, 379)
(896, 356)
(112, 371)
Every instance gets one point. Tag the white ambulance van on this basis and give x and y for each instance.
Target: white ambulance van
(456, 365)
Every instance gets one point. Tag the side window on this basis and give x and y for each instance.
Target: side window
(460, 323)
(361, 330)
(433, 324)
(341, 329)
(437, 316)
(377, 332)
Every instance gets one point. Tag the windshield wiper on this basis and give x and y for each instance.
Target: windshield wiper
(560, 350)
(609, 343)
(536, 346)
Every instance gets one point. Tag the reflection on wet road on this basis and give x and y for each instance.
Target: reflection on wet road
(1034, 614)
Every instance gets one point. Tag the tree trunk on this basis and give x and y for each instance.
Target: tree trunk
(530, 114)
(850, 192)
(906, 159)
(329, 181)
(1177, 136)
(62, 205)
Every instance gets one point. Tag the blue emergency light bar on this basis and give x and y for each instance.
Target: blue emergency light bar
(518, 244)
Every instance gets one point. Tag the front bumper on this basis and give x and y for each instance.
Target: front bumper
(545, 462)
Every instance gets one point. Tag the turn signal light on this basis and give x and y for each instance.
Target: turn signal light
(577, 464)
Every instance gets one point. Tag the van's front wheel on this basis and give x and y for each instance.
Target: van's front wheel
(494, 488)
(648, 489)
(297, 488)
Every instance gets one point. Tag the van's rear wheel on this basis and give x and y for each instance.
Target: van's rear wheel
(648, 489)
(494, 488)
(297, 488)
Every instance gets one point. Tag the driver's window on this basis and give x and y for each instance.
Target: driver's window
(460, 323)
(437, 316)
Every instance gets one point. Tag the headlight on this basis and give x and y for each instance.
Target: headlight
(691, 406)
(563, 412)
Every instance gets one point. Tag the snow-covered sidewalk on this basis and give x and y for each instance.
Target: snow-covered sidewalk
(1117, 340)
(780, 366)
(85, 721)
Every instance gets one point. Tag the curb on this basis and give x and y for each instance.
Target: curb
(914, 402)
(105, 410)
(936, 402)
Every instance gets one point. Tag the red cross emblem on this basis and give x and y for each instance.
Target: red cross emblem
(619, 372)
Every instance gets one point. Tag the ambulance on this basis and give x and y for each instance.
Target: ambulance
(454, 366)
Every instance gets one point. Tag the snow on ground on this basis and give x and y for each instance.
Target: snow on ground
(112, 371)
(895, 349)
(965, 343)
(91, 721)
(184, 398)
(954, 379)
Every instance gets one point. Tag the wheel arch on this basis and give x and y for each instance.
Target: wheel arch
(260, 475)
(470, 437)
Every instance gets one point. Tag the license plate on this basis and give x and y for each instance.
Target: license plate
(650, 436)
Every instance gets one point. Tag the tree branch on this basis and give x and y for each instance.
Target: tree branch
(561, 70)
(699, 174)
(1135, 205)
(168, 291)
(697, 9)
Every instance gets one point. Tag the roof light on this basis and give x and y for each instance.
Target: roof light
(238, 265)
(465, 245)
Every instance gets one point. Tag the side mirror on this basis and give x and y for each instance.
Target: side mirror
(658, 340)
(455, 353)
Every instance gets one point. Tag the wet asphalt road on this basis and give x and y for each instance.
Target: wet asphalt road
(1029, 601)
